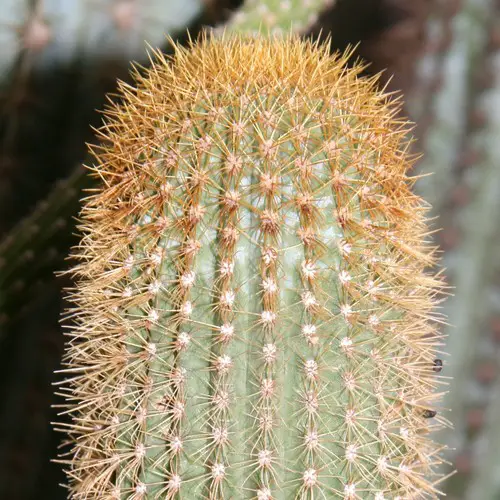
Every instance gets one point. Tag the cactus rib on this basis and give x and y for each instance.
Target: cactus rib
(253, 316)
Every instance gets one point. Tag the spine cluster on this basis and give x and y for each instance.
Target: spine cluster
(253, 318)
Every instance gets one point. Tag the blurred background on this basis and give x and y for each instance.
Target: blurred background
(59, 59)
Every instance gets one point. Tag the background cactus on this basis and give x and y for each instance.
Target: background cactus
(49, 33)
(254, 316)
(23, 271)
(277, 15)
(456, 103)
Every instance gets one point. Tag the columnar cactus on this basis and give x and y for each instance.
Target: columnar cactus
(460, 145)
(253, 318)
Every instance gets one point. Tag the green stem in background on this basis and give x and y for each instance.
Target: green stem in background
(429, 70)
(277, 15)
(30, 250)
(444, 139)
(465, 191)
(485, 482)
(469, 264)
(485, 239)
(49, 33)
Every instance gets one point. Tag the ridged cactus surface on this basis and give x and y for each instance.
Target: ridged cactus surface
(254, 316)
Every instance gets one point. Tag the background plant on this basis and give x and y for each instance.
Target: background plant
(456, 102)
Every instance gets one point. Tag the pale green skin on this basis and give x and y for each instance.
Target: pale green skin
(89, 29)
(277, 15)
(290, 457)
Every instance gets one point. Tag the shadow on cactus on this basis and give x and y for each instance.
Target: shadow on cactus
(253, 313)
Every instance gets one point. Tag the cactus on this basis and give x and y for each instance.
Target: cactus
(254, 316)
(277, 15)
(20, 250)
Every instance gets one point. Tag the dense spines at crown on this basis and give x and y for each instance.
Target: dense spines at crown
(253, 314)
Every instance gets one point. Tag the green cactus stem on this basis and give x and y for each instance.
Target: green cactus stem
(254, 316)
(277, 15)
(29, 252)
(459, 65)
(484, 483)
